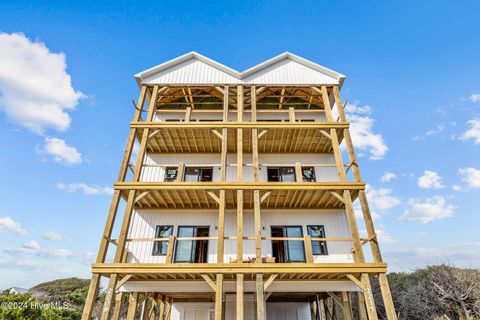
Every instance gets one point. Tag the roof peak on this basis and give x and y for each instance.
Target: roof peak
(237, 75)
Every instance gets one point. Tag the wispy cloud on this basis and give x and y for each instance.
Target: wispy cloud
(363, 136)
(36, 90)
(470, 176)
(431, 132)
(380, 200)
(85, 188)
(60, 151)
(428, 210)
(52, 236)
(33, 248)
(475, 97)
(430, 180)
(388, 176)
(8, 224)
(473, 132)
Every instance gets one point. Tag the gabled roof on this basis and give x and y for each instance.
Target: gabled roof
(284, 69)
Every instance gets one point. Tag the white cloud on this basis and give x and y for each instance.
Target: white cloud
(381, 199)
(388, 176)
(361, 128)
(36, 90)
(430, 180)
(473, 132)
(457, 187)
(383, 235)
(86, 189)
(8, 224)
(31, 245)
(434, 208)
(475, 97)
(470, 176)
(52, 236)
(60, 151)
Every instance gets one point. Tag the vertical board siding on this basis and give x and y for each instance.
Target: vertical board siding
(288, 311)
(144, 222)
(157, 172)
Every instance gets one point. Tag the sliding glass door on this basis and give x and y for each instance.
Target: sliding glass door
(288, 250)
(191, 251)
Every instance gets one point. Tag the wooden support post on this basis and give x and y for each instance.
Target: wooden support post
(132, 305)
(377, 256)
(256, 178)
(219, 298)
(161, 308)
(188, 114)
(170, 247)
(223, 174)
(308, 249)
(368, 296)
(239, 297)
(319, 308)
(347, 311)
(168, 308)
(298, 172)
(291, 114)
(260, 297)
(107, 233)
(180, 171)
(240, 99)
(118, 306)
(362, 311)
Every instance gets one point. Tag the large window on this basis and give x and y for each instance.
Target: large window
(318, 247)
(194, 251)
(160, 247)
(197, 174)
(170, 174)
(281, 174)
(288, 250)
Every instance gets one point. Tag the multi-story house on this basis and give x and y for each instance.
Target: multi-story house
(239, 204)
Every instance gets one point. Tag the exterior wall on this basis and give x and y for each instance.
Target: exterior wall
(275, 310)
(144, 222)
(157, 173)
(318, 116)
(230, 286)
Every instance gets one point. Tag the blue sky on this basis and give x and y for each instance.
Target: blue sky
(415, 64)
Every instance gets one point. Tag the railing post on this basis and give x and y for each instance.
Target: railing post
(170, 247)
(308, 248)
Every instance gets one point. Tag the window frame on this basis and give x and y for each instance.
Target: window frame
(279, 173)
(165, 174)
(159, 246)
(314, 175)
(322, 245)
(200, 173)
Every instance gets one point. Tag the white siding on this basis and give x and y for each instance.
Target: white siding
(190, 72)
(143, 226)
(289, 72)
(288, 311)
(157, 173)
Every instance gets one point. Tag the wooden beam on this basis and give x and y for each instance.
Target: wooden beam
(269, 281)
(240, 105)
(387, 297)
(219, 298)
(239, 297)
(118, 306)
(214, 196)
(368, 296)
(356, 281)
(260, 297)
(265, 196)
(132, 305)
(210, 282)
(122, 282)
(335, 298)
(180, 171)
(347, 311)
(308, 249)
(170, 247)
(291, 114)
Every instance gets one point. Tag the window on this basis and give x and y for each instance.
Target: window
(193, 251)
(195, 174)
(170, 174)
(318, 247)
(160, 247)
(308, 174)
(288, 250)
(174, 120)
(281, 174)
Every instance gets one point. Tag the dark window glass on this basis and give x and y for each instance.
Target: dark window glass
(195, 174)
(318, 247)
(282, 174)
(286, 251)
(160, 247)
(193, 251)
(170, 174)
(308, 174)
